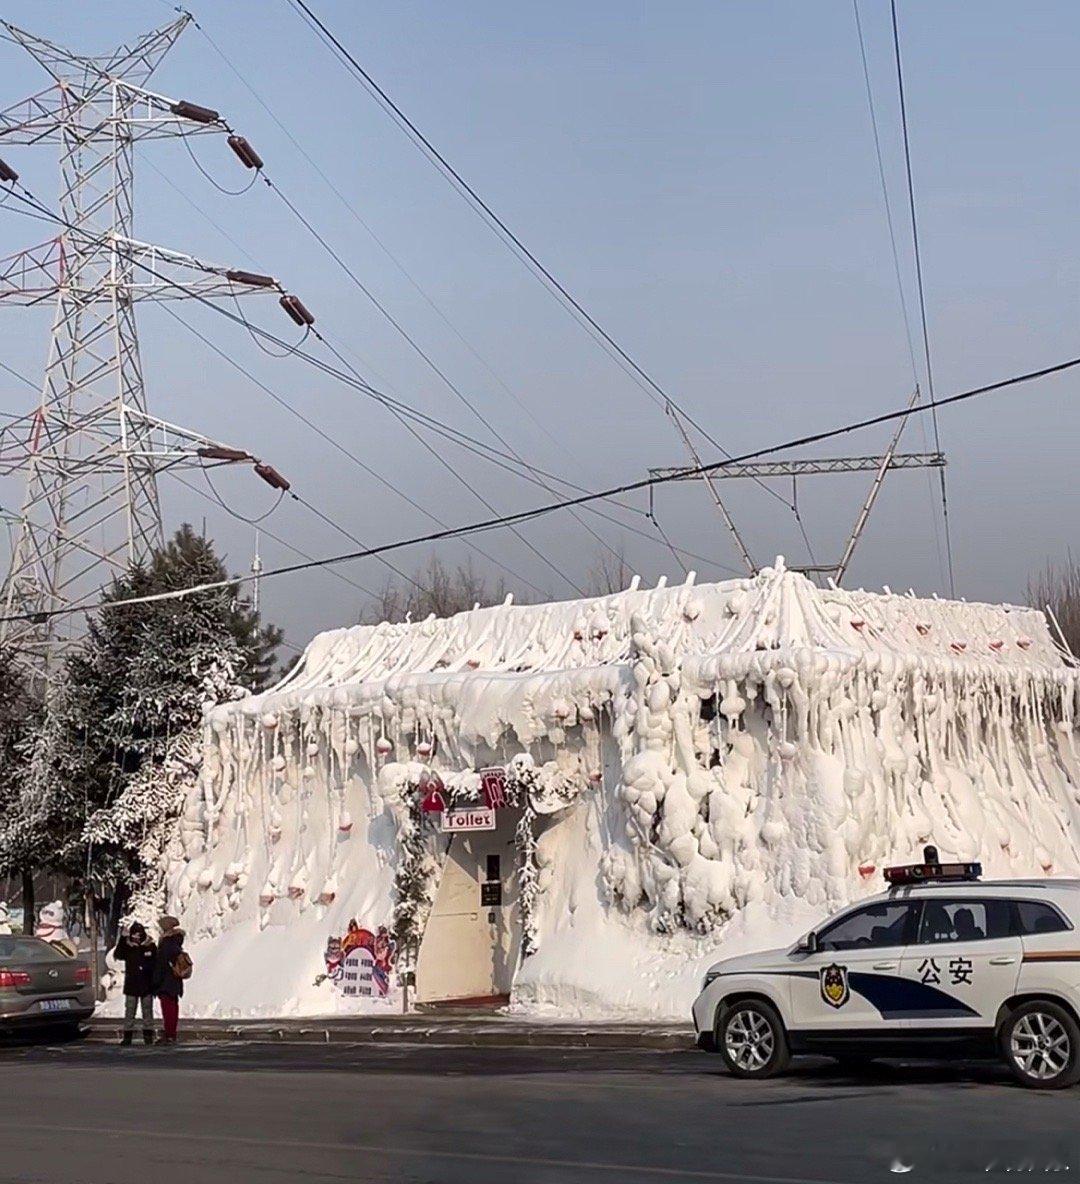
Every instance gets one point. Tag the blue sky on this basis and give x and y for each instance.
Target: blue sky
(702, 177)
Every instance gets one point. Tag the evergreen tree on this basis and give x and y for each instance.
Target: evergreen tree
(122, 742)
(19, 818)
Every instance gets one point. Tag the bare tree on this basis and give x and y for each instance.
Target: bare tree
(436, 589)
(1058, 585)
(610, 573)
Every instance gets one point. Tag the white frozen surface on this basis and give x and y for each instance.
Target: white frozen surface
(846, 729)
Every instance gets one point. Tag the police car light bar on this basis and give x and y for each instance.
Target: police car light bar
(921, 873)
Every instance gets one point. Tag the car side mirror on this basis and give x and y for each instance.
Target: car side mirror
(808, 944)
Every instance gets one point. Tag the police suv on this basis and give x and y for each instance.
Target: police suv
(941, 965)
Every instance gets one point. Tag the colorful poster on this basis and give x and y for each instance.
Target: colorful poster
(360, 964)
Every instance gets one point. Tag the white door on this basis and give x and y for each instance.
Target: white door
(849, 981)
(472, 941)
(963, 965)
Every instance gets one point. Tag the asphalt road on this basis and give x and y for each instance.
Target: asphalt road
(88, 1114)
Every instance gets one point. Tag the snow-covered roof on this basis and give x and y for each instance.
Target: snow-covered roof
(776, 611)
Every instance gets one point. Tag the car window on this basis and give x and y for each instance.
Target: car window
(964, 920)
(27, 949)
(1035, 917)
(887, 924)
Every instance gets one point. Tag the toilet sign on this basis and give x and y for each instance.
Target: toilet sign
(469, 818)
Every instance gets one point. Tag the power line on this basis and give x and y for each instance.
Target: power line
(541, 511)
(270, 534)
(436, 369)
(885, 194)
(394, 322)
(908, 338)
(640, 376)
(454, 435)
(921, 291)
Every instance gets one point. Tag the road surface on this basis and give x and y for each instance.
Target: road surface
(91, 1114)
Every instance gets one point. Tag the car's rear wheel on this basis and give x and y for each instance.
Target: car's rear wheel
(750, 1038)
(1041, 1044)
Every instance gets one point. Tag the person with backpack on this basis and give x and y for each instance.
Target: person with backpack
(171, 967)
(138, 953)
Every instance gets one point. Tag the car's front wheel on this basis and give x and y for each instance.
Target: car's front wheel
(1041, 1043)
(751, 1039)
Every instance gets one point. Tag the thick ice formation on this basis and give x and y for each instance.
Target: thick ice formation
(695, 765)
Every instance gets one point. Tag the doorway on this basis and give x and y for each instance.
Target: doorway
(472, 941)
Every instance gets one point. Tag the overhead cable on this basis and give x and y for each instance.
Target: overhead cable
(921, 291)
(583, 499)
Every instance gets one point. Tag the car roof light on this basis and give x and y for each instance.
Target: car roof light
(922, 873)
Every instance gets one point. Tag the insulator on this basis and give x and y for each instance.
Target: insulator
(248, 156)
(7, 173)
(294, 306)
(251, 277)
(194, 112)
(219, 452)
(271, 476)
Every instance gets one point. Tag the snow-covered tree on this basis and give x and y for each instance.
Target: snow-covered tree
(19, 818)
(122, 742)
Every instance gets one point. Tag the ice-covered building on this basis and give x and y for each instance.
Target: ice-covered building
(674, 769)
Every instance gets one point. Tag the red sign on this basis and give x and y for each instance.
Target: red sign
(493, 785)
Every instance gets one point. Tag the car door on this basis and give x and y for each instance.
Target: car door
(843, 983)
(963, 964)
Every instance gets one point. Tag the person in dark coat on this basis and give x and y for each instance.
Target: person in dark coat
(137, 951)
(168, 987)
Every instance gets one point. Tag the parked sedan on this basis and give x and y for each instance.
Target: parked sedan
(41, 987)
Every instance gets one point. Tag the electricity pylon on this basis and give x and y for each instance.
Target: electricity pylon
(92, 451)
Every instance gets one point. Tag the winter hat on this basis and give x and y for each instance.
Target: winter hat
(138, 929)
(168, 924)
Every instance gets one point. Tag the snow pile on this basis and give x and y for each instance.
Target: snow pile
(696, 766)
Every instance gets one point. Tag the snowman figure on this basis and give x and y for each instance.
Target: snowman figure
(5, 918)
(52, 927)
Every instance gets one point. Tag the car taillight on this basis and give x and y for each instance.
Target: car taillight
(82, 975)
(14, 978)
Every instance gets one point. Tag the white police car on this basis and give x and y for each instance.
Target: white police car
(941, 965)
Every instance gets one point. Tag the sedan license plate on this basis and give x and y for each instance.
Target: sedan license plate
(55, 1005)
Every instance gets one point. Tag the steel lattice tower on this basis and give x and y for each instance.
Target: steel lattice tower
(91, 451)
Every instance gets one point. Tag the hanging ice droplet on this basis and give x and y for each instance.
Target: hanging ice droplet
(309, 772)
(267, 895)
(788, 750)
(352, 747)
(269, 720)
(205, 880)
(345, 823)
(732, 705)
(383, 746)
(279, 763)
(313, 748)
(423, 748)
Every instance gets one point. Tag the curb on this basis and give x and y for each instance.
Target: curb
(447, 1033)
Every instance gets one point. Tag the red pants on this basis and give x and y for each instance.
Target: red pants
(170, 1014)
